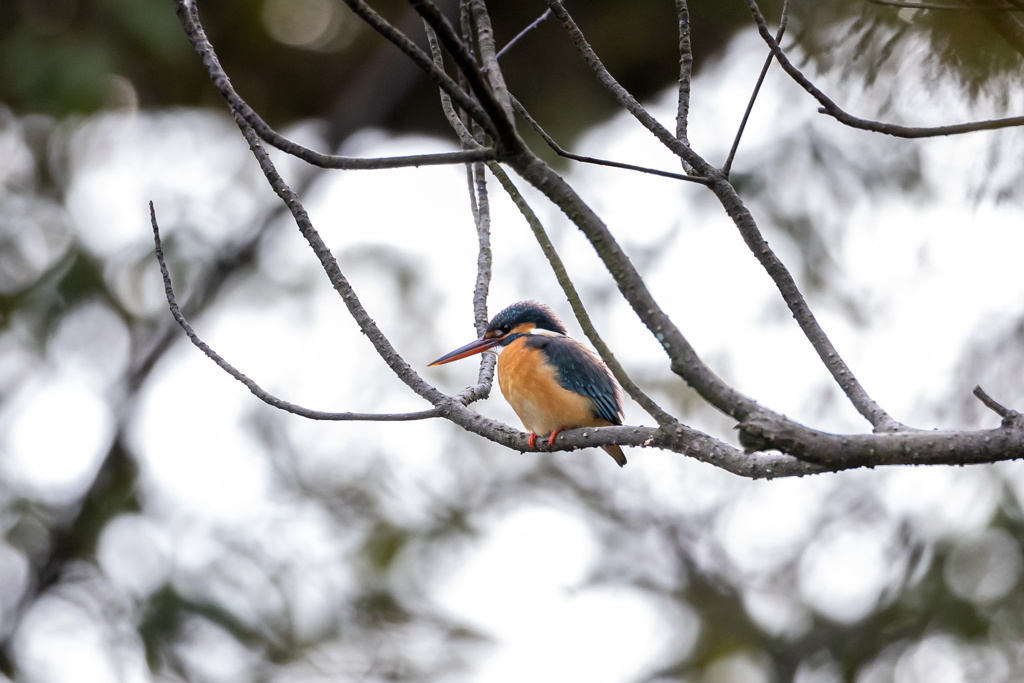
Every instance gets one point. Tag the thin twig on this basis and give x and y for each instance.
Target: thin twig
(482, 215)
(992, 404)
(834, 110)
(421, 59)
(802, 313)
(521, 111)
(488, 51)
(623, 96)
(522, 34)
(727, 167)
(189, 17)
(499, 113)
(685, 71)
(482, 220)
(255, 388)
(558, 267)
(480, 208)
(910, 4)
(454, 120)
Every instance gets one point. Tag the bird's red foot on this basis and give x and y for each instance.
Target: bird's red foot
(533, 440)
(551, 439)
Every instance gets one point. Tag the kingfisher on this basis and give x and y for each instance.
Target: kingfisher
(552, 381)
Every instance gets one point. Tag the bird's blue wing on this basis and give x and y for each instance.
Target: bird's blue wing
(581, 372)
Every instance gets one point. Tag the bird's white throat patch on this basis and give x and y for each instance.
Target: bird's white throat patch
(545, 333)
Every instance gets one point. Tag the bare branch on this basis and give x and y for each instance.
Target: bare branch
(258, 391)
(911, 4)
(478, 198)
(727, 167)
(522, 34)
(499, 112)
(189, 17)
(834, 110)
(802, 313)
(454, 120)
(421, 59)
(482, 215)
(685, 71)
(992, 404)
(623, 97)
(489, 58)
(482, 220)
(912, 447)
(521, 111)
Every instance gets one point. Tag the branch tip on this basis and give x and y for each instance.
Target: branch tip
(992, 404)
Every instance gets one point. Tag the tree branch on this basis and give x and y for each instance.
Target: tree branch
(834, 110)
(727, 166)
(454, 120)
(522, 34)
(685, 72)
(255, 388)
(478, 113)
(622, 96)
(913, 4)
(684, 359)
(550, 141)
(489, 61)
(837, 452)
(188, 15)
(499, 112)
(482, 220)
(454, 409)
(994, 405)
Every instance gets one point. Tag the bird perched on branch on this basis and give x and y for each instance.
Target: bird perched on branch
(551, 380)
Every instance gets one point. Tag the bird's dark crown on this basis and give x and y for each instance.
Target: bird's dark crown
(532, 312)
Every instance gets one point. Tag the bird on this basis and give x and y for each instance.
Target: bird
(552, 381)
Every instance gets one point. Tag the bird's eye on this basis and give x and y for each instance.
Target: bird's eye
(506, 328)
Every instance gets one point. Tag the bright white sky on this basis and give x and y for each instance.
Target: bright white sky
(933, 270)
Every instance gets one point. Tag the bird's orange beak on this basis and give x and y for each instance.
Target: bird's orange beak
(473, 347)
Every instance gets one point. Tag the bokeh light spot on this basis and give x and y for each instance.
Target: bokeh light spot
(985, 567)
(56, 431)
(309, 24)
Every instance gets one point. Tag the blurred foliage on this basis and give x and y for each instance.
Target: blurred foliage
(78, 56)
(65, 59)
(977, 47)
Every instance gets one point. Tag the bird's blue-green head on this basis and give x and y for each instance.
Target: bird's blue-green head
(525, 317)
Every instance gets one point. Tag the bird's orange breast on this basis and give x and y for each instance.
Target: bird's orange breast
(530, 385)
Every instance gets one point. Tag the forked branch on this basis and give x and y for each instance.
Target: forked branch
(188, 15)
(259, 392)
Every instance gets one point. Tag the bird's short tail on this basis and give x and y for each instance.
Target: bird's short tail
(616, 453)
